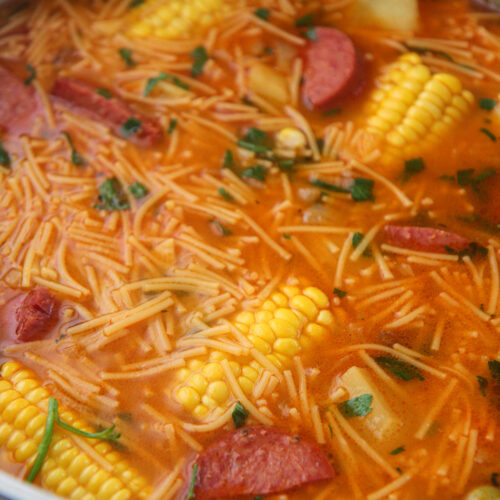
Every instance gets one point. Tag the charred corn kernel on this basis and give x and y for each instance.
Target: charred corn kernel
(22, 425)
(412, 106)
(175, 18)
(218, 391)
(188, 397)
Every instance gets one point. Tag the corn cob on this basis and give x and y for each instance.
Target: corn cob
(176, 18)
(67, 471)
(413, 109)
(290, 322)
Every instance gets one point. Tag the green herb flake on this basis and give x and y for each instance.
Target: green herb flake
(130, 127)
(412, 167)
(228, 161)
(488, 133)
(255, 172)
(32, 74)
(220, 229)
(192, 482)
(286, 165)
(331, 431)
(304, 21)
(44, 445)
(397, 451)
(494, 479)
(356, 407)
(4, 156)
(227, 196)
(138, 190)
(329, 187)
(357, 238)
(287, 236)
(76, 159)
(135, 3)
(494, 367)
(200, 57)
(255, 140)
(339, 293)
(487, 104)
(483, 385)
(258, 497)
(445, 177)
(111, 196)
(172, 125)
(268, 50)
(126, 55)
(152, 82)
(239, 415)
(362, 189)
(104, 93)
(332, 112)
(399, 369)
(472, 250)
(262, 13)
(311, 34)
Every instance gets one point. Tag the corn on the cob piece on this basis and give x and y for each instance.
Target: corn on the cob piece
(67, 470)
(288, 323)
(176, 18)
(413, 109)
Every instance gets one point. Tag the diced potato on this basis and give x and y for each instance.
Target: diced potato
(382, 422)
(401, 15)
(268, 83)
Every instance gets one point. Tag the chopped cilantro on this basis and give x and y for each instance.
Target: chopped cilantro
(286, 165)
(32, 74)
(130, 127)
(332, 112)
(111, 196)
(255, 140)
(228, 160)
(494, 367)
(268, 50)
(304, 21)
(239, 415)
(311, 34)
(287, 236)
(172, 125)
(412, 167)
(258, 497)
(137, 190)
(200, 56)
(126, 55)
(446, 177)
(227, 196)
(488, 133)
(262, 13)
(399, 369)
(397, 450)
(192, 482)
(339, 293)
(487, 104)
(255, 172)
(356, 407)
(357, 238)
(329, 187)
(76, 159)
(494, 479)
(473, 250)
(361, 189)
(104, 93)
(152, 82)
(221, 230)
(135, 3)
(331, 431)
(483, 384)
(4, 156)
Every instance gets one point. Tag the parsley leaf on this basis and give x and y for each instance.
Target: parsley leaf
(239, 415)
(488, 133)
(126, 55)
(172, 125)
(494, 367)
(4, 156)
(473, 250)
(152, 82)
(361, 189)
(192, 482)
(137, 190)
(483, 384)
(220, 230)
(487, 104)
(339, 293)
(200, 56)
(255, 140)
(227, 196)
(111, 196)
(76, 159)
(104, 93)
(228, 160)
(32, 74)
(262, 13)
(357, 238)
(304, 21)
(130, 127)
(332, 112)
(412, 167)
(311, 34)
(399, 369)
(356, 407)
(329, 187)
(397, 451)
(255, 172)
(494, 479)
(467, 177)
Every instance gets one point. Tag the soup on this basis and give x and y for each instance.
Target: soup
(250, 249)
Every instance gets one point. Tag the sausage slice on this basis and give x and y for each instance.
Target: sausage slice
(426, 239)
(259, 461)
(333, 69)
(35, 314)
(114, 112)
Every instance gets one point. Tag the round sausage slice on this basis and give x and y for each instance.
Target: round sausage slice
(333, 69)
(426, 239)
(35, 314)
(259, 461)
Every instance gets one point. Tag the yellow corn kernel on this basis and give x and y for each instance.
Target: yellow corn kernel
(305, 342)
(289, 316)
(291, 138)
(287, 346)
(415, 125)
(279, 299)
(195, 364)
(250, 373)
(379, 124)
(218, 391)
(213, 371)
(317, 296)
(246, 384)
(260, 344)
(325, 317)
(263, 316)
(235, 368)
(198, 382)
(188, 397)
(263, 331)
(217, 356)
(451, 81)
(290, 291)
(316, 332)
(13, 409)
(209, 402)
(246, 317)
(305, 305)
(200, 411)
(183, 374)
(283, 328)
(268, 305)
(9, 368)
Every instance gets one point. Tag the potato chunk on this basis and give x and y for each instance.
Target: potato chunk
(268, 83)
(382, 422)
(401, 15)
